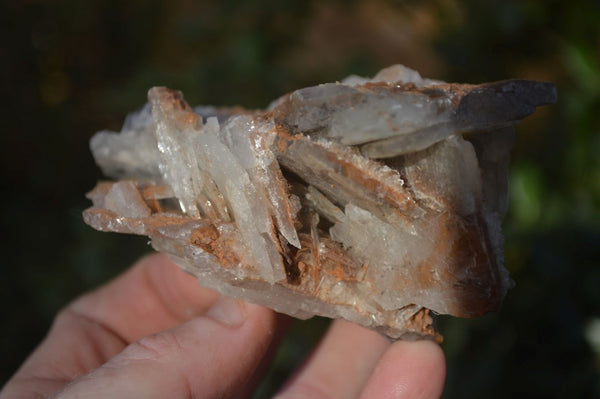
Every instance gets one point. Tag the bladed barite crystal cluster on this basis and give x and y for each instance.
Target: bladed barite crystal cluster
(377, 200)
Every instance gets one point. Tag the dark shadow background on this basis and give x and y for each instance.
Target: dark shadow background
(70, 68)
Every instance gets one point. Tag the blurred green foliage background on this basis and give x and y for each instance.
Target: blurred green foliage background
(71, 68)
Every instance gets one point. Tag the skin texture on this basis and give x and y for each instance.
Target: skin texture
(154, 333)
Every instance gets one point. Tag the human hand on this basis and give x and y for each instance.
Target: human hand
(154, 333)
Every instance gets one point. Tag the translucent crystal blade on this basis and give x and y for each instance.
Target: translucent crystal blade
(373, 200)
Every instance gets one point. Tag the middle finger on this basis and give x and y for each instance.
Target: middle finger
(340, 365)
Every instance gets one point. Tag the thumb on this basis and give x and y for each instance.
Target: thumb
(210, 356)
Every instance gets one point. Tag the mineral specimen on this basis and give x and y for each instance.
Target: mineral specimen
(374, 200)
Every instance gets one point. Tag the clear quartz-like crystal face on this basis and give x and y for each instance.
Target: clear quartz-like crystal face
(373, 200)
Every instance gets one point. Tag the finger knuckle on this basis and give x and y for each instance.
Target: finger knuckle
(157, 346)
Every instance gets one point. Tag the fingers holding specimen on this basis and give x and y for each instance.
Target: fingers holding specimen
(210, 356)
(340, 365)
(154, 295)
(192, 342)
(74, 345)
(408, 370)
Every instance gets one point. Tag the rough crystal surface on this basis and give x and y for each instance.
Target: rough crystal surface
(374, 200)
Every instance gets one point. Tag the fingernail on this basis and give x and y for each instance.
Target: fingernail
(228, 311)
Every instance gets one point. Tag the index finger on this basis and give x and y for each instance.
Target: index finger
(154, 295)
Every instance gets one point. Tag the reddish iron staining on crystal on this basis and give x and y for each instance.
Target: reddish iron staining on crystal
(381, 183)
